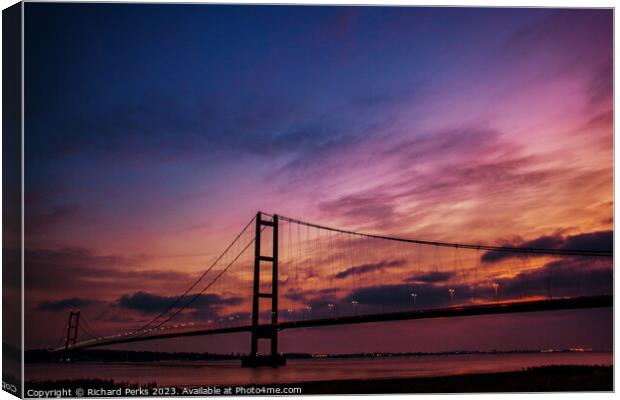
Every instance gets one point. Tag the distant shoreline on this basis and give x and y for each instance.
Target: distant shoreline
(42, 356)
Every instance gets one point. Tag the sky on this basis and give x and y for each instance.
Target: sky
(154, 133)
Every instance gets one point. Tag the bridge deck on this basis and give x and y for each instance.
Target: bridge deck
(457, 311)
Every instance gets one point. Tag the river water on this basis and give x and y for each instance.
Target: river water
(200, 373)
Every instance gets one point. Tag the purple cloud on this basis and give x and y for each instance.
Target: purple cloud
(64, 304)
(592, 241)
(430, 277)
(205, 305)
(370, 267)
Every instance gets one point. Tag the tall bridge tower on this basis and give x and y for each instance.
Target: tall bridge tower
(265, 331)
(73, 326)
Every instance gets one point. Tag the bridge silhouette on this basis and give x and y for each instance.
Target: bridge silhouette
(312, 275)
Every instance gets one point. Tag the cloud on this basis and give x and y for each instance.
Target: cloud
(317, 299)
(95, 280)
(463, 141)
(592, 241)
(77, 267)
(396, 183)
(364, 208)
(57, 215)
(205, 305)
(370, 267)
(115, 319)
(600, 87)
(64, 304)
(430, 277)
(297, 294)
(570, 276)
(568, 36)
(399, 295)
(269, 126)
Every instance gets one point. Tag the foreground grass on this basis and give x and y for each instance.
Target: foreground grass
(539, 379)
(560, 378)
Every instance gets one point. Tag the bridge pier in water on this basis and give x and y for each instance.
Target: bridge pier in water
(265, 331)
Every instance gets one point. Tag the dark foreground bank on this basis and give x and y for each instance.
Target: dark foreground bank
(539, 379)
(561, 378)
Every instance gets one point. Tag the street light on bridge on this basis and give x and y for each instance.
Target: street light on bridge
(354, 303)
(451, 291)
(496, 287)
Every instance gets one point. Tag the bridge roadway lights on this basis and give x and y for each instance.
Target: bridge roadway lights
(279, 360)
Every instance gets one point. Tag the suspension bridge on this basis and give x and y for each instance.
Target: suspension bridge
(282, 273)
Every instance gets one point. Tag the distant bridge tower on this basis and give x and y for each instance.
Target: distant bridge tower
(73, 325)
(72, 328)
(265, 331)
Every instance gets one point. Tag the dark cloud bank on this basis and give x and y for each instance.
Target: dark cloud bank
(593, 241)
